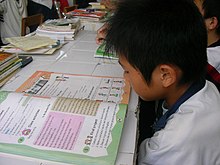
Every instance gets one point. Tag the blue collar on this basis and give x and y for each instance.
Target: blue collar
(194, 88)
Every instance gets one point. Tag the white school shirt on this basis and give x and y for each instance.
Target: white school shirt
(47, 3)
(12, 12)
(191, 135)
(213, 54)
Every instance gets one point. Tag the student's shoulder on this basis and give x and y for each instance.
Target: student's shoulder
(213, 54)
(207, 96)
(202, 106)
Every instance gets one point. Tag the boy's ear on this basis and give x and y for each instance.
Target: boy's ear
(212, 23)
(168, 75)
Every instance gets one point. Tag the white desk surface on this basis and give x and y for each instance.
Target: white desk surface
(78, 59)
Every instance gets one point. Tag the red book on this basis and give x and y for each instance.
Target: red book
(87, 13)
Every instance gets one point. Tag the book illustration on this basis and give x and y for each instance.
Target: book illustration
(108, 89)
(100, 53)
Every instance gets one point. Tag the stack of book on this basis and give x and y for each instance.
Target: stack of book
(97, 6)
(88, 14)
(60, 29)
(9, 64)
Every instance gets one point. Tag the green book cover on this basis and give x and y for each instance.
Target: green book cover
(100, 53)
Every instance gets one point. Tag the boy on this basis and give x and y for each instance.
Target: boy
(210, 10)
(161, 45)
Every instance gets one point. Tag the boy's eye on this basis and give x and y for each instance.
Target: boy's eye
(126, 72)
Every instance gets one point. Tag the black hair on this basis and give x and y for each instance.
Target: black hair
(152, 32)
(212, 9)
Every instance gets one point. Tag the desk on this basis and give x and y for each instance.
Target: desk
(78, 59)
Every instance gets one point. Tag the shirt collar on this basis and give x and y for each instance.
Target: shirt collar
(193, 89)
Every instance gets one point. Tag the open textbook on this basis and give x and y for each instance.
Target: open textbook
(73, 119)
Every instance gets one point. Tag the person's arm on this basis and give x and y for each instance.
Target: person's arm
(110, 5)
(101, 33)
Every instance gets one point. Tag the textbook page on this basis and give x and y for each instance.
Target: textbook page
(108, 89)
(75, 131)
